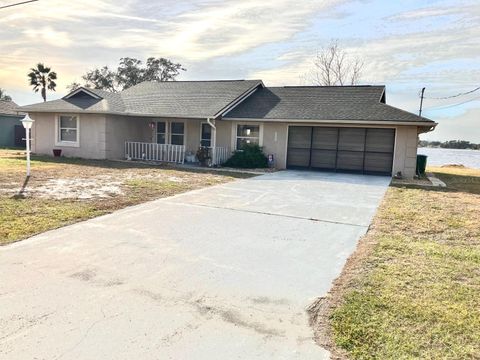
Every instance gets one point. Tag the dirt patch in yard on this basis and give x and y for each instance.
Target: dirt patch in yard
(61, 191)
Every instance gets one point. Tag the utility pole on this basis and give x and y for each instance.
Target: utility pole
(421, 102)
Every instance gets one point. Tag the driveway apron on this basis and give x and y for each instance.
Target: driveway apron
(225, 272)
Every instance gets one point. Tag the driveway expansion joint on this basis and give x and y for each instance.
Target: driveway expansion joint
(270, 214)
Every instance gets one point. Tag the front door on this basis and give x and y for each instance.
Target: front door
(205, 135)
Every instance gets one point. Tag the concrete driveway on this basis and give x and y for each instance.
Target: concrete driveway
(220, 273)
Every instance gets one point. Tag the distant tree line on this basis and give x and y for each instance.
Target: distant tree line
(130, 72)
(451, 144)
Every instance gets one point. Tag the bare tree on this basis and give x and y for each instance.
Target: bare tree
(333, 66)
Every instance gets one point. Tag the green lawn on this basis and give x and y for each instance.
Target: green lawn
(62, 191)
(412, 289)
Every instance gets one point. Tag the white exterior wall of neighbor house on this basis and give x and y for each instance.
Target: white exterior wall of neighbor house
(91, 136)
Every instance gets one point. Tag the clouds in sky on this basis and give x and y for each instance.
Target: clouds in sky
(406, 45)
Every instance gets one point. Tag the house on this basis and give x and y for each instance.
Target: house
(344, 128)
(12, 132)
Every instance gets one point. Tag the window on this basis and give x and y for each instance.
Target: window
(67, 130)
(161, 132)
(206, 135)
(177, 133)
(247, 134)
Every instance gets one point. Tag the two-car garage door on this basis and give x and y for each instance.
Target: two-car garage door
(365, 150)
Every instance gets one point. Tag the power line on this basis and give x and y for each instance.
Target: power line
(16, 4)
(453, 105)
(453, 96)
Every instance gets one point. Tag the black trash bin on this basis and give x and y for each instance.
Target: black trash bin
(421, 164)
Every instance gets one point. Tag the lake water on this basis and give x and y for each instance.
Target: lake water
(438, 157)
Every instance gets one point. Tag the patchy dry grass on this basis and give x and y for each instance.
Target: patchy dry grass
(412, 289)
(62, 191)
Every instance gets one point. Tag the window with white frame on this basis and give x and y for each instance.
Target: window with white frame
(206, 135)
(161, 132)
(177, 133)
(247, 134)
(67, 129)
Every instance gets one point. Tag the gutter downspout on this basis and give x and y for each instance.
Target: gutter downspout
(213, 144)
(209, 121)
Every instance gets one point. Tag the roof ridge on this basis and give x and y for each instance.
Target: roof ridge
(196, 81)
(324, 86)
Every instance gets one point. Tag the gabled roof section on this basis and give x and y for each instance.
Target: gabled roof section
(82, 92)
(200, 99)
(102, 102)
(190, 99)
(8, 107)
(321, 103)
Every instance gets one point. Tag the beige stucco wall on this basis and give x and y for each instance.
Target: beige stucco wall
(224, 133)
(275, 142)
(92, 140)
(192, 133)
(104, 136)
(275, 137)
(405, 156)
(125, 128)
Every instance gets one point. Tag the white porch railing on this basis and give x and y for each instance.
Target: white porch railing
(155, 152)
(220, 155)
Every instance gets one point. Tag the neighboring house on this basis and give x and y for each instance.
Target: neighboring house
(347, 128)
(12, 132)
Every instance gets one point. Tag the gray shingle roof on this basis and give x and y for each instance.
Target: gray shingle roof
(8, 107)
(362, 103)
(110, 103)
(199, 99)
(189, 98)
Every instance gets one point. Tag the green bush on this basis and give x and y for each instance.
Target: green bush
(249, 157)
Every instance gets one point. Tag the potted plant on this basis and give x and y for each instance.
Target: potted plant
(57, 152)
(203, 155)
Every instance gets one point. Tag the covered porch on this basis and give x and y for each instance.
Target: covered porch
(178, 140)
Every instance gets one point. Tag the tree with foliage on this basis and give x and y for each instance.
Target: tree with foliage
(4, 96)
(130, 72)
(73, 86)
(42, 78)
(102, 78)
(333, 66)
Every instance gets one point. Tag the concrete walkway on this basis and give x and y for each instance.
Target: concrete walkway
(220, 273)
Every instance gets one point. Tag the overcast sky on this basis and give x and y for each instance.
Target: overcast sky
(405, 45)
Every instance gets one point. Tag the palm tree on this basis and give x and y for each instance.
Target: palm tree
(41, 78)
(4, 96)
